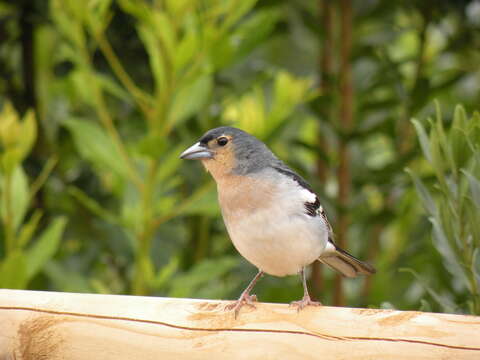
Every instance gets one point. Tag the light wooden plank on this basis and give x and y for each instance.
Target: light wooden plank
(52, 325)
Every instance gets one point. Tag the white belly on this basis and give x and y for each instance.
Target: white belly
(267, 222)
(279, 247)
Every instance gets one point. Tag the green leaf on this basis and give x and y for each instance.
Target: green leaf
(45, 246)
(226, 48)
(99, 14)
(100, 287)
(190, 99)
(29, 133)
(17, 138)
(159, 38)
(438, 161)
(423, 138)
(202, 201)
(13, 271)
(28, 229)
(252, 32)
(138, 9)
(221, 51)
(289, 92)
(177, 8)
(153, 145)
(7, 9)
(151, 44)
(448, 252)
(248, 112)
(67, 280)
(147, 270)
(236, 9)
(205, 272)
(461, 151)
(186, 50)
(446, 303)
(476, 265)
(167, 205)
(19, 197)
(474, 188)
(10, 128)
(112, 87)
(425, 306)
(443, 142)
(165, 274)
(460, 117)
(92, 205)
(96, 146)
(170, 163)
(425, 196)
(131, 214)
(165, 32)
(67, 21)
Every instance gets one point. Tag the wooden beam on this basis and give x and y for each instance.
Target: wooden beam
(50, 325)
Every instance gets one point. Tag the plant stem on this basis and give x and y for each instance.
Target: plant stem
(142, 99)
(142, 265)
(164, 95)
(164, 218)
(346, 120)
(325, 69)
(43, 176)
(106, 119)
(7, 217)
(107, 122)
(145, 237)
(406, 129)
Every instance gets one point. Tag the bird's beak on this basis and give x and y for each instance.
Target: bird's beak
(197, 152)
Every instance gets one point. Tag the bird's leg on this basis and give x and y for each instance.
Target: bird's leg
(306, 296)
(246, 298)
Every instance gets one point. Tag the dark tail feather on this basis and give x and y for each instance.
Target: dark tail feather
(348, 265)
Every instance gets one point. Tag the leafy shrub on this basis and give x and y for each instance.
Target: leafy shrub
(26, 249)
(450, 193)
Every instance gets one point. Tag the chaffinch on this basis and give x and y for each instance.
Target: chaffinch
(272, 215)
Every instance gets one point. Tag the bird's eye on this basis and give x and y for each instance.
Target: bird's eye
(222, 141)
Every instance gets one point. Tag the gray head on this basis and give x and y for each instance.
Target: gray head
(227, 150)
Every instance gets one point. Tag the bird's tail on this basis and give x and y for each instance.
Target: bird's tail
(348, 265)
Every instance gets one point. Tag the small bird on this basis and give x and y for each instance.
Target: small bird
(272, 215)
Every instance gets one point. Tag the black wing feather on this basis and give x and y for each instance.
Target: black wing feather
(311, 208)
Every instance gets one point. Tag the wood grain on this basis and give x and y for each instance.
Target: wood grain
(50, 325)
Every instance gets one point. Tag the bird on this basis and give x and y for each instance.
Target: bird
(272, 215)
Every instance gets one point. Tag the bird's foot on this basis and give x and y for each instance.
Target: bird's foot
(245, 299)
(306, 301)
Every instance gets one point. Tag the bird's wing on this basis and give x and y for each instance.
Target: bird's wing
(333, 256)
(345, 263)
(285, 170)
(312, 207)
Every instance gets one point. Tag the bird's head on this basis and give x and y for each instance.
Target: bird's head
(227, 150)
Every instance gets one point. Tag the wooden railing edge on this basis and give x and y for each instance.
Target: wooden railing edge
(81, 326)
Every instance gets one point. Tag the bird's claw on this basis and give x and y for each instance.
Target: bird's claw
(306, 301)
(245, 299)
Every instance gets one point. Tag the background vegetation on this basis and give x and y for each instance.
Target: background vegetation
(99, 97)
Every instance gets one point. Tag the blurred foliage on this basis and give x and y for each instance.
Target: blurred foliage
(22, 261)
(116, 89)
(453, 203)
